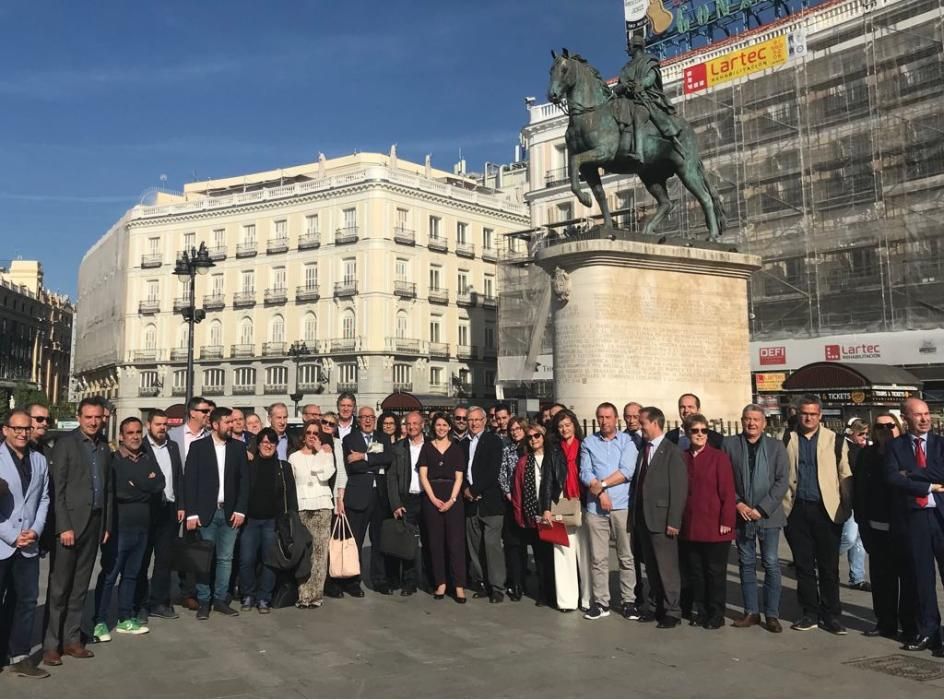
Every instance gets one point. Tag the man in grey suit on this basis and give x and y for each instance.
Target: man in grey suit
(761, 475)
(83, 492)
(660, 489)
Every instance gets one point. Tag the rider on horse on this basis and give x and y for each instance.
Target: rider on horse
(640, 81)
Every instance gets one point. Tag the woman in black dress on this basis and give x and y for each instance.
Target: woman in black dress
(441, 465)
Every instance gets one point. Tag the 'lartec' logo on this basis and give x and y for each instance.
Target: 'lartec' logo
(833, 353)
(775, 355)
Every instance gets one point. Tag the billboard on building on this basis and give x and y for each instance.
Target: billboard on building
(745, 61)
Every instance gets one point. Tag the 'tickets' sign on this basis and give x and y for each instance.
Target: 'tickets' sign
(750, 59)
(773, 355)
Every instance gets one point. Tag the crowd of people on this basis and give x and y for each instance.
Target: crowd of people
(477, 489)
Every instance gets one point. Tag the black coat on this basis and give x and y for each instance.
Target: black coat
(177, 470)
(484, 470)
(202, 480)
(362, 474)
(553, 476)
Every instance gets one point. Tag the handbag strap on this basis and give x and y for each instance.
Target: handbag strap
(284, 492)
(336, 528)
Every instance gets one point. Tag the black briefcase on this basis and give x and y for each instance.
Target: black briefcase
(193, 555)
(399, 539)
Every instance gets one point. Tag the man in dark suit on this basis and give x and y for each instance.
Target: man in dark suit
(216, 497)
(81, 474)
(631, 419)
(914, 466)
(659, 491)
(689, 405)
(366, 459)
(167, 512)
(484, 507)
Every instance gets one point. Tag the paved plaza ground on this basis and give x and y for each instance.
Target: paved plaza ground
(420, 647)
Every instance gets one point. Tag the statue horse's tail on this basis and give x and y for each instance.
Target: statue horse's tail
(715, 200)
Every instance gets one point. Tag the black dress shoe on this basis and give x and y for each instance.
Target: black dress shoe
(383, 589)
(225, 609)
(646, 617)
(714, 623)
(668, 622)
(406, 592)
(879, 632)
(481, 594)
(355, 591)
(697, 620)
(333, 592)
(478, 587)
(922, 644)
(496, 597)
(515, 593)
(938, 652)
(165, 612)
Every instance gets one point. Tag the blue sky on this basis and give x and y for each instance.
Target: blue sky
(101, 98)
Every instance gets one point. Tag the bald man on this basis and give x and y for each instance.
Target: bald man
(914, 466)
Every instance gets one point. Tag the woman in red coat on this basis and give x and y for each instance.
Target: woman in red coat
(707, 525)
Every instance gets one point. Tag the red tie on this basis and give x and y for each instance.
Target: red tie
(922, 461)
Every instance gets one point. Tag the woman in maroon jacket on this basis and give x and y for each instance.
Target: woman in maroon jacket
(707, 525)
(525, 499)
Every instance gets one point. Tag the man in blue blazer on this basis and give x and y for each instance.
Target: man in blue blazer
(216, 498)
(914, 465)
(22, 519)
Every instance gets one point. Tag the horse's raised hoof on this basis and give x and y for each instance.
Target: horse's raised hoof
(584, 198)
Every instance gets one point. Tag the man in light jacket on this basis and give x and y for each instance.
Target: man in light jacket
(760, 481)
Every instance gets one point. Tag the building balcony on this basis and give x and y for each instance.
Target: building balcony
(466, 298)
(489, 255)
(149, 306)
(347, 288)
(440, 388)
(241, 300)
(438, 243)
(178, 391)
(273, 348)
(309, 387)
(181, 303)
(466, 352)
(178, 354)
(347, 386)
(276, 246)
(151, 260)
(217, 253)
(146, 355)
(214, 302)
(557, 176)
(408, 345)
(276, 295)
(438, 296)
(211, 352)
(465, 250)
(343, 344)
(402, 288)
(489, 301)
(244, 389)
(247, 250)
(212, 390)
(242, 350)
(344, 236)
(275, 389)
(149, 390)
(439, 350)
(307, 293)
(403, 386)
(309, 240)
(406, 236)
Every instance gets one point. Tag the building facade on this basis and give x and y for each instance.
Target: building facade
(35, 332)
(385, 269)
(831, 167)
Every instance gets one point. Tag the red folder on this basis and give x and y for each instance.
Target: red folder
(555, 533)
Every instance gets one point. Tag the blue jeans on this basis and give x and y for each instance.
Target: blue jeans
(219, 531)
(851, 544)
(121, 555)
(257, 537)
(747, 537)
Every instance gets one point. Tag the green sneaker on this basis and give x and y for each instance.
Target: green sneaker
(131, 626)
(100, 633)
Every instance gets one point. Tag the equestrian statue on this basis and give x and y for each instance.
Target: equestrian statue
(630, 128)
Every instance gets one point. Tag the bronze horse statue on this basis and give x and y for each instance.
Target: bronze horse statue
(595, 139)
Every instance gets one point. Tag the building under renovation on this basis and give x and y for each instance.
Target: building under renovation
(831, 167)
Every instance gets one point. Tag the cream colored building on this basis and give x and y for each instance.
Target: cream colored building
(386, 269)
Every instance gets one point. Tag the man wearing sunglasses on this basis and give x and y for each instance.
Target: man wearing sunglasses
(460, 426)
(39, 415)
(196, 426)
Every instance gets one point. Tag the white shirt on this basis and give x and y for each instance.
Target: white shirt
(189, 437)
(538, 464)
(414, 472)
(473, 444)
(220, 448)
(162, 455)
(655, 442)
(344, 430)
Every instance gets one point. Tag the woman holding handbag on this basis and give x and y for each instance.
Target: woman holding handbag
(313, 466)
(441, 465)
(562, 498)
(528, 514)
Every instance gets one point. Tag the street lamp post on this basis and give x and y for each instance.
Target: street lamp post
(190, 264)
(297, 351)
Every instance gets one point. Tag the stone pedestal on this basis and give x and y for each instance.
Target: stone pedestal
(641, 321)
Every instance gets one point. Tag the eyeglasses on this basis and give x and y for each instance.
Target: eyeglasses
(698, 431)
(460, 419)
(311, 432)
(885, 426)
(328, 423)
(21, 429)
(40, 419)
(535, 436)
(202, 410)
